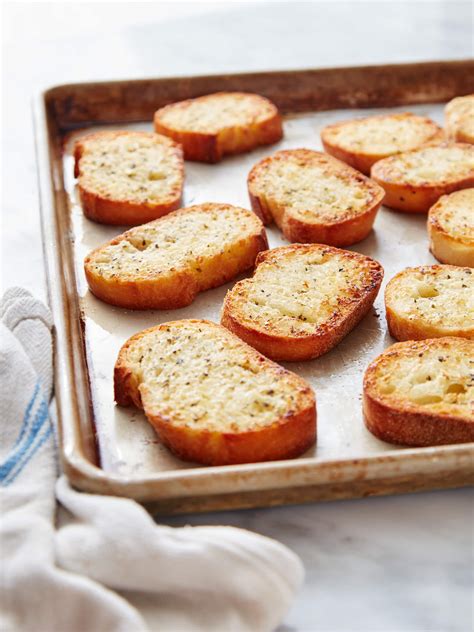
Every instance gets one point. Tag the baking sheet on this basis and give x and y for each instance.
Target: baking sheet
(128, 446)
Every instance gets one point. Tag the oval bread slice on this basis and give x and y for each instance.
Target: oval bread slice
(415, 180)
(164, 264)
(128, 178)
(212, 126)
(421, 393)
(451, 228)
(431, 302)
(314, 198)
(459, 119)
(362, 142)
(302, 300)
(213, 399)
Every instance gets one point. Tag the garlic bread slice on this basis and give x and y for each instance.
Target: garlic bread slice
(431, 302)
(362, 142)
(415, 180)
(302, 300)
(215, 125)
(128, 178)
(213, 399)
(459, 119)
(451, 228)
(421, 393)
(314, 198)
(164, 264)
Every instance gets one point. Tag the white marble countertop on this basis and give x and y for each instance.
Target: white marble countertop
(399, 564)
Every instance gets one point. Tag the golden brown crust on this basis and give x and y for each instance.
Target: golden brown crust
(173, 288)
(459, 119)
(344, 229)
(442, 309)
(418, 196)
(108, 209)
(450, 228)
(397, 419)
(426, 130)
(211, 146)
(277, 343)
(286, 437)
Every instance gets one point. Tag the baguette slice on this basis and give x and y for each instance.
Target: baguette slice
(166, 263)
(415, 180)
(362, 142)
(213, 399)
(128, 178)
(212, 126)
(421, 393)
(451, 228)
(459, 119)
(314, 198)
(431, 302)
(302, 300)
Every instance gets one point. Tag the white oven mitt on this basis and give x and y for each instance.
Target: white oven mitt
(203, 578)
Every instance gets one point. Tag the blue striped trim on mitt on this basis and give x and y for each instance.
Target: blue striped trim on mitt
(35, 429)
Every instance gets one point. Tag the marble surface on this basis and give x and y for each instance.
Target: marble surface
(399, 564)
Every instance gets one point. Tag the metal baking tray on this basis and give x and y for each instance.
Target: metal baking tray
(107, 449)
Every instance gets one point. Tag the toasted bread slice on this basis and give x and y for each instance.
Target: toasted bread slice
(362, 142)
(459, 119)
(302, 300)
(415, 180)
(451, 228)
(314, 198)
(215, 125)
(421, 393)
(164, 264)
(431, 302)
(128, 178)
(212, 398)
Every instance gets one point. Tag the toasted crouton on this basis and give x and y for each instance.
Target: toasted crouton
(128, 178)
(314, 198)
(431, 302)
(421, 393)
(213, 399)
(459, 119)
(451, 228)
(415, 180)
(166, 263)
(302, 300)
(215, 125)
(362, 142)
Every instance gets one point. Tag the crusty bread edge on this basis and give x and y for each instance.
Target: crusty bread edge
(345, 232)
(197, 146)
(212, 147)
(416, 199)
(455, 131)
(286, 438)
(450, 250)
(178, 289)
(306, 347)
(403, 329)
(406, 424)
(402, 427)
(409, 198)
(106, 210)
(444, 246)
(363, 161)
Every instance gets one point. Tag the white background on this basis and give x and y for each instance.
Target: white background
(401, 564)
